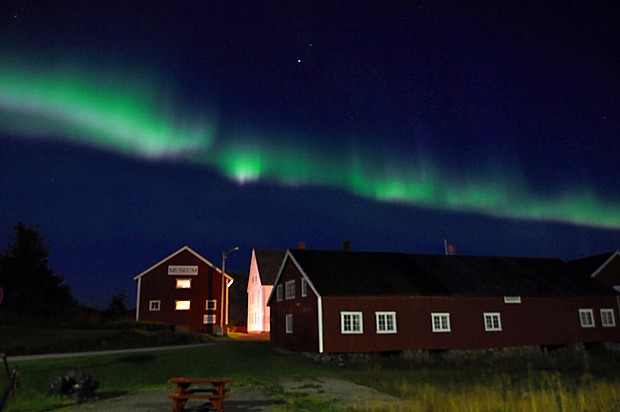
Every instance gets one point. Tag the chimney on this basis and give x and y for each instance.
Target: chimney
(302, 245)
(346, 245)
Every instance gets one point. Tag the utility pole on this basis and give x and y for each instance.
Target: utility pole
(221, 330)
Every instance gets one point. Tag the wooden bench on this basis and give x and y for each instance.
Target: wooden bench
(215, 394)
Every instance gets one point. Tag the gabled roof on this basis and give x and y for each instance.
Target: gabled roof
(268, 263)
(183, 249)
(592, 264)
(338, 273)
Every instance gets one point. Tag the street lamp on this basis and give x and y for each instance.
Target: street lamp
(223, 291)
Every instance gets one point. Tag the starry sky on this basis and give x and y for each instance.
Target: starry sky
(131, 129)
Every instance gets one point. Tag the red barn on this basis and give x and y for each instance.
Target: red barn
(343, 301)
(185, 291)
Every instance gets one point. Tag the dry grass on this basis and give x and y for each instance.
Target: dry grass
(520, 379)
(602, 397)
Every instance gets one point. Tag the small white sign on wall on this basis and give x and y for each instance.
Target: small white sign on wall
(182, 270)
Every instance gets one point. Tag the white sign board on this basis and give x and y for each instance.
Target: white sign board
(182, 270)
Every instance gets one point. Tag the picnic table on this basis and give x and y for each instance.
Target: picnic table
(212, 389)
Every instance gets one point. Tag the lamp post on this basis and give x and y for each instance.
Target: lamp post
(223, 290)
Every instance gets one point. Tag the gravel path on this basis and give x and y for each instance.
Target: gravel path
(249, 399)
(105, 352)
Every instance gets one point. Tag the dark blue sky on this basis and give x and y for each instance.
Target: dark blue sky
(391, 125)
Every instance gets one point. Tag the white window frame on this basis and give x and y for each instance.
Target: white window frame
(386, 315)
(304, 288)
(180, 305)
(492, 317)
(209, 319)
(608, 319)
(289, 289)
(512, 299)
(350, 315)
(154, 305)
(586, 318)
(288, 322)
(443, 324)
(211, 304)
(279, 293)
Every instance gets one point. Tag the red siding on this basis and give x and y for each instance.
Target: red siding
(158, 285)
(535, 321)
(304, 311)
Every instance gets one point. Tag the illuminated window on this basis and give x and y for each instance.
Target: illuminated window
(208, 319)
(492, 322)
(607, 317)
(386, 322)
(289, 293)
(181, 304)
(351, 322)
(440, 322)
(586, 317)
(154, 305)
(304, 288)
(512, 299)
(184, 283)
(289, 323)
(279, 293)
(211, 304)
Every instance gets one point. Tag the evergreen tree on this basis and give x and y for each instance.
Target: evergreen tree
(117, 310)
(31, 288)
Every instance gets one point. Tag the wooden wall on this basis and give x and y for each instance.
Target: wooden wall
(158, 285)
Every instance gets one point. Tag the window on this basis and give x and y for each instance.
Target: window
(155, 305)
(184, 283)
(304, 288)
(386, 322)
(289, 323)
(586, 317)
(211, 304)
(181, 304)
(279, 293)
(351, 322)
(512, 299)
(289, 293)
(440, 322)
(607, 318)
(492, 322)
(208, 319)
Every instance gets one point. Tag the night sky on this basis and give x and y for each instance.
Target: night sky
(131, 129)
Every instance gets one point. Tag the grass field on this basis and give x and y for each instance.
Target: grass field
(27, 340)
(519, 380)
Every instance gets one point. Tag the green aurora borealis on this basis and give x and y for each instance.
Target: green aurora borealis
(138, 114)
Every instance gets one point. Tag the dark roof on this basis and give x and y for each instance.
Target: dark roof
(339, 273)
(268, 262)
(591, 264)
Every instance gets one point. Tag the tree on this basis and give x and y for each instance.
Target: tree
(31, 288)
(116, 309)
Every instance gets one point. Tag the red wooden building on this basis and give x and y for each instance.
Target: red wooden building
(185, 291)
(343, 301)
